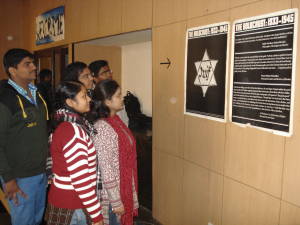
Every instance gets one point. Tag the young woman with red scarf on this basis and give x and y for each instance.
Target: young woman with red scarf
(72, 197)
(116, 150)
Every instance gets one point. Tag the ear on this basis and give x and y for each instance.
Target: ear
(12, 71)
(107, 102)
(70, 102)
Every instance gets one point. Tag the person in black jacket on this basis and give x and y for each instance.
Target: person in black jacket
(45, 87)
(23, 139)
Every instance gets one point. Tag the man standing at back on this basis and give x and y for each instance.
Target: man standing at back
(100, 70)
(23, 140)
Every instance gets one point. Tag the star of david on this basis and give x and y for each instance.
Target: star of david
(205, 73)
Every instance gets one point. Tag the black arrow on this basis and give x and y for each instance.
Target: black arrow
(169, 63)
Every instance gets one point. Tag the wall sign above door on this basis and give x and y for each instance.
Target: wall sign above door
(50, 26)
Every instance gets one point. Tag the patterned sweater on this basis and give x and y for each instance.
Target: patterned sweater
(106, 144)
(74, 168)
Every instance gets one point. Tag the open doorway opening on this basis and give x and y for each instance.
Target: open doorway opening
(54, 59)
(130, 58)
(50, 66)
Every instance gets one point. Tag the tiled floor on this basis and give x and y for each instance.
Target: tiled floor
(145, 217)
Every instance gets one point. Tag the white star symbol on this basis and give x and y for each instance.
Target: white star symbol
(205, 73)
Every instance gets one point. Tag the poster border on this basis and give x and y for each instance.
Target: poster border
(226, 74)
(295, 36)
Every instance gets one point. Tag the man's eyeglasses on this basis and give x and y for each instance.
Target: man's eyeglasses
(109, 71)
(86, 76)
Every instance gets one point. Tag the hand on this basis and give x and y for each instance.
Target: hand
(119, 211)
(11, 189)
(98, 223)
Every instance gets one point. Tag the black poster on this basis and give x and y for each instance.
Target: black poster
(206, 69)
(263, 68)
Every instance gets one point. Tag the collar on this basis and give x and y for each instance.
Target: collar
(20, 89)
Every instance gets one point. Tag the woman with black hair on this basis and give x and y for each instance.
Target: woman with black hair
(116, 150)
(72, 198)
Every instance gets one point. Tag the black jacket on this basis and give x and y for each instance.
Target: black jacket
(23, 135)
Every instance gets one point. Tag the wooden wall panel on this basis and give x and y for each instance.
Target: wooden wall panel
(247, 206)
(26, 8)
(295, 3)
(291, 176)
(136, 15)
(255, 157)
(259, 7)
(43, 6)
(204, 142)
(290, 214)
(170, 183)
(202, 194)
(83, 19)
(110, 17)
(210, 19)
(14, 28)
(155, 187)
(236, 3)
(168, 42)
(203, 7)
(169, 11)
(89, 53)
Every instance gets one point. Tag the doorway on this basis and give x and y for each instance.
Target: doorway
(130, 58)
(54, 59)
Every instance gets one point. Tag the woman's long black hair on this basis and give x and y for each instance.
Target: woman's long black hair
(65, 90)
(104, 90)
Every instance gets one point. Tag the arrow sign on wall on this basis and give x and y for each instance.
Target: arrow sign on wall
(168, 63)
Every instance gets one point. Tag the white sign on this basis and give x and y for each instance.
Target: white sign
(50, 26)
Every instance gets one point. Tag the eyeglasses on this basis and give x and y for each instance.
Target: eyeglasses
(109, 71)
(86, 76)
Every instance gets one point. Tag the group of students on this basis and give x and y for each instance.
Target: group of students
(93, 153)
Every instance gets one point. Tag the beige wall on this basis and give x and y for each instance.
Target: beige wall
(137, 73)
(204, 171)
